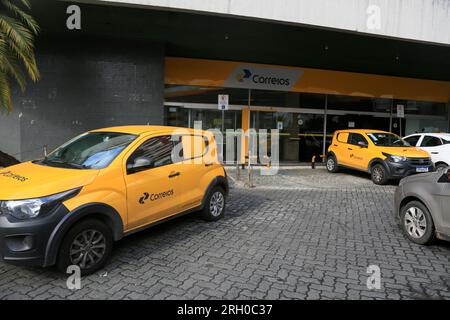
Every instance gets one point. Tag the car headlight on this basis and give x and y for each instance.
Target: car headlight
(395, 158)
(31, 208)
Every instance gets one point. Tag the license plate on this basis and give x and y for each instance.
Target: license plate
(422, 169)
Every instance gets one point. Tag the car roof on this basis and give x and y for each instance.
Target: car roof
(138, 130)
(438, 135)
(362, 131)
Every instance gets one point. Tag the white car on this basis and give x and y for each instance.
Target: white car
(436, 144)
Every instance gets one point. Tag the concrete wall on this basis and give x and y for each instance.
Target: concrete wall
(424, 20)
(84, 85)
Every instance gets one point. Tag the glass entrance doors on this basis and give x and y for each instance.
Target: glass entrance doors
(301, 134)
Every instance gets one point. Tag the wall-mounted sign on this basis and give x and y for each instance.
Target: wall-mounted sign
(400, 111)
(266, 78)
(223, 102)
(280, 125)
(351, 124)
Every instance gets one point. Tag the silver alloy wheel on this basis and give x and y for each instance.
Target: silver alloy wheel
(377, 174)
(88, 248)
(216, 203)
(415, 222)
(330, 164)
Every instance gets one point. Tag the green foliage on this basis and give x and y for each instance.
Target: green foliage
(17, 60)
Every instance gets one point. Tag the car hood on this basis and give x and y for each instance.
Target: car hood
(423, 177)
(30, 180)
(410, 152)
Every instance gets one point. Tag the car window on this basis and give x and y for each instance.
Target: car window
(355, 138)
(342, 137)
(384, 139)
(429, 141)
(94, 150)
(157, 149)
(412, 140)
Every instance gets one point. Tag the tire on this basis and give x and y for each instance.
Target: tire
(441, 166)
(417, 223)
(98, 239)
(379, 174)
(214, 208)
(332, 164)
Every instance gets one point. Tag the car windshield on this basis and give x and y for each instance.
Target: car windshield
(387, 140)
(95, 150)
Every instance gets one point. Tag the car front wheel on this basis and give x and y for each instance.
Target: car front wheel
(417, 223)
(379, 175)
(87, 245)
(332, 165)
(215, 205)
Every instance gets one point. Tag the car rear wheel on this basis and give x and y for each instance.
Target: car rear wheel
(332, 165)
(417, 223)
(215, 205)
(379, 175)
(87, 245)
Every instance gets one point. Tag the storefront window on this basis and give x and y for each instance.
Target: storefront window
(302, 129)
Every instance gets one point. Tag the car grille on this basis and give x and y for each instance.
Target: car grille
(420, 161)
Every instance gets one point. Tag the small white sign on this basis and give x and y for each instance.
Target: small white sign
(300, 122)
(223, 102)
(351, 124)
(280, 125)
(400, 111)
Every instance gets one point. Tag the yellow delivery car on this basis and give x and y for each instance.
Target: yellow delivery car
(69, 208)
(383, 154)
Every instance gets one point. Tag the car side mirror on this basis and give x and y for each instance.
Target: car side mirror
(139, 164)
(363, 144)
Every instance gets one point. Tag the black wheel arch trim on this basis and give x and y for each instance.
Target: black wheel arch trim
(73, 217)
(376, 161)
(217, 181)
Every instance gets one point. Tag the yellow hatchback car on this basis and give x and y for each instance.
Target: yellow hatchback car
(383, 154)
(69, 208)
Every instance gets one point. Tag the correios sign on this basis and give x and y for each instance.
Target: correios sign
(265, 78)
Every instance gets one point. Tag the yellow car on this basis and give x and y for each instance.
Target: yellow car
(69, 208)
(382, 154)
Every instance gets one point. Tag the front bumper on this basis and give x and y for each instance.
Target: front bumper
(25, 241)
(398, 170)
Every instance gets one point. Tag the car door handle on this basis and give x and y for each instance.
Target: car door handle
(349, 148)
(335, 145)
(208, 164)
(174, 174)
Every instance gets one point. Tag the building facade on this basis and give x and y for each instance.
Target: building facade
(166, 62)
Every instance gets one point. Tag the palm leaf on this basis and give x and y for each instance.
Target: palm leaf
(5, 93)
(17, 31)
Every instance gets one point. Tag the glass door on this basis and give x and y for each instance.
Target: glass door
(301, 134)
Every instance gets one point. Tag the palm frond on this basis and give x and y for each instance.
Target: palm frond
(27, 19)
(17, 32)
(5, 94)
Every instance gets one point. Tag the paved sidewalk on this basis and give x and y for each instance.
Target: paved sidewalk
(303, 234)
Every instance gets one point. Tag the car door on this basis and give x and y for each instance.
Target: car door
(444, 199)
(192, 168)
(358, 151)
(341, 148)
(152, 181)
(433, 145)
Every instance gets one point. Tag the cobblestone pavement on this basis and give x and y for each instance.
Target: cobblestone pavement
(304, 234)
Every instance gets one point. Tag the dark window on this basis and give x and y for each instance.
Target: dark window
(158, 150)
(355, 138)
(429, 141)
(412, 140)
